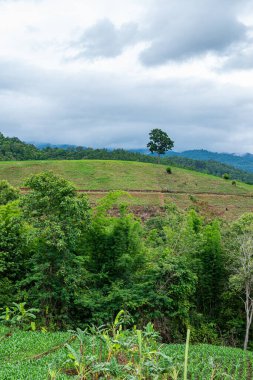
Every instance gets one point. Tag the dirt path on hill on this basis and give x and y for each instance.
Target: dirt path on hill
(245, 195)
(159, 192)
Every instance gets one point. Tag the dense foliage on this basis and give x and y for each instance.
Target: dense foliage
(11, 148)
(79, 265)
(159, 142)
(14, 149)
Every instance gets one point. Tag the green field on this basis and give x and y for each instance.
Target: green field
(125, 175)
(27, 356)
(214, 195)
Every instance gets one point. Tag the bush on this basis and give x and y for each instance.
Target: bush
(168, 170)
(8, 193)
(226, 176)
(192, 198)
(234, 183)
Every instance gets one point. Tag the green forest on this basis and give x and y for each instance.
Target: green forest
(80, 265)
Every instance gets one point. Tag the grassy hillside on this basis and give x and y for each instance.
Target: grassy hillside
(185, 187)
(125, 175)
(33, 355)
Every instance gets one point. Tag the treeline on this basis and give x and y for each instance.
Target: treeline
(80, 265)
(14, 149)
(11, 148)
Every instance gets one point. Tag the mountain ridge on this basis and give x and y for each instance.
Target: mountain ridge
(242, 161)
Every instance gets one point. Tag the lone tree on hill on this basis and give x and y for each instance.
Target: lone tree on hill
(159, 142)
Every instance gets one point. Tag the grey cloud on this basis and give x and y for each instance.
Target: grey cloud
(98, 111)
(173, 30)
(104, 39)
(183, 29)
(240, 58)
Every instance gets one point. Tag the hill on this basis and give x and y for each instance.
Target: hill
(13, 149)
(149, 184)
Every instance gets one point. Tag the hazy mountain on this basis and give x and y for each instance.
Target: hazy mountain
(243, 162)
(48, 145)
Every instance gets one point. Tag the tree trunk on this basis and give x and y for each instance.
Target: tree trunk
(249, 315)
(246, 339)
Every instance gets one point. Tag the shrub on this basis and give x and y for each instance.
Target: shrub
(117, 353)
(234, 183)
(192, 198)
(168, 170)
(17, 315)
(226, 176)
(8, 193)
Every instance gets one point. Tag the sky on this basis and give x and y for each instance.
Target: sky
(103, 73)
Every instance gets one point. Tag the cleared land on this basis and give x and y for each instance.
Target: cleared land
(213, 195)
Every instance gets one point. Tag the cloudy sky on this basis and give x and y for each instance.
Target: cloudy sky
(103, 73)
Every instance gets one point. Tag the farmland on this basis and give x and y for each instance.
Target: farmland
(34, 355)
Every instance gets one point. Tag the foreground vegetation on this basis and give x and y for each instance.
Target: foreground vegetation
(79, 265)
(115, 353)
(65, 264)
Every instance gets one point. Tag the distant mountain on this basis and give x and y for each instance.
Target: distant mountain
(48, 145)
(243, 162)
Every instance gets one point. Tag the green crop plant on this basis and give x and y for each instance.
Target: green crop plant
(18, 316)
(21, 357)
(117, 353)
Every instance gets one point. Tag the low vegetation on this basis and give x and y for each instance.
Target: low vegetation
(122, 175)
(115, 352)
(214, 196)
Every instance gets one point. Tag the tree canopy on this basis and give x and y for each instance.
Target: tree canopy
(80, 265)
(159, 142)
